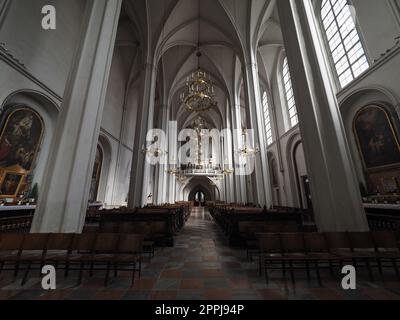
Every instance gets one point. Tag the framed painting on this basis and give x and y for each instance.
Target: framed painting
(10, 184)
(376, 138)
(20, 139)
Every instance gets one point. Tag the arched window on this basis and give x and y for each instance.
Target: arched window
(344, 41)
(291, 103)
(267, 119)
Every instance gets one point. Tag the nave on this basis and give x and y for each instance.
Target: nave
(200, 266)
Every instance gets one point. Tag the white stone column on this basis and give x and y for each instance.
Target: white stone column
(234, 178)
(228, 155)
(252, 85)
(140, 176)
(335, 191)
(163, 168)
(173, 160)
(64, 195)
(241, 190)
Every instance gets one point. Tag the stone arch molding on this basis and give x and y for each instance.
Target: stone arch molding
(353, 103)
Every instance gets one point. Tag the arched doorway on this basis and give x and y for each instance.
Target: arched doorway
(200, 195)
(199, 199)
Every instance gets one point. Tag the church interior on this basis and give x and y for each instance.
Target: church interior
(199, 150)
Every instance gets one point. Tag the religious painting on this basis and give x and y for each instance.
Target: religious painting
(20, 139)
(94, 186)
(377, 140)
(10, 184)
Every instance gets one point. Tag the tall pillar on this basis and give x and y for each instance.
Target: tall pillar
(228, 155)
(139, 188)
(262, 179)
(172, 159)
(241, 193)
(335, 189)
(163, 168)
(64, 196)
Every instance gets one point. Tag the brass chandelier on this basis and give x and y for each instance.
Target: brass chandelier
(199, 94)
(247, 151)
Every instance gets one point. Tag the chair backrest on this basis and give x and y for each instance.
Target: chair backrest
(106, 242)
(127, 227)
(244, 226)
(315, 242)
(290, 228)
(255, 228)
(109, 227)
(130, 243)
(35, 241)
(11, 241)
(90, 229)
(361, 240)
(83, 242)
(269, 242)
(158, 227)
(385, 240)
(60, 241)
(272, 228)
(293, 242)
(337, 240)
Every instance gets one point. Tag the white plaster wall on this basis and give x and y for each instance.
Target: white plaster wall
(46, 54)
(378, 25)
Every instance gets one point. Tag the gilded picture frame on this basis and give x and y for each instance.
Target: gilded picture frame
(21, 137)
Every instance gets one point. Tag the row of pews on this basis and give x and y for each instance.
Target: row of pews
(241, 222)
(159, 223)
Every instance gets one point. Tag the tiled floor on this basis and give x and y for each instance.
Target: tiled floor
(201, 267)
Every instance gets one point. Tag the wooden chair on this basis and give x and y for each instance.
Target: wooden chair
(295, 252)
(90, 229)
(338, 243)
(10, 251)
(58, 250)
(387, 250)
(127, 254)
(109, 227)
(363, 250)
(82, 250)
(318, 250)
(105, 246)
(271, 253)
(33, 252)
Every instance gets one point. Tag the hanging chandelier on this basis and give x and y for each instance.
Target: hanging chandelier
(199, 94)
(247, 151)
